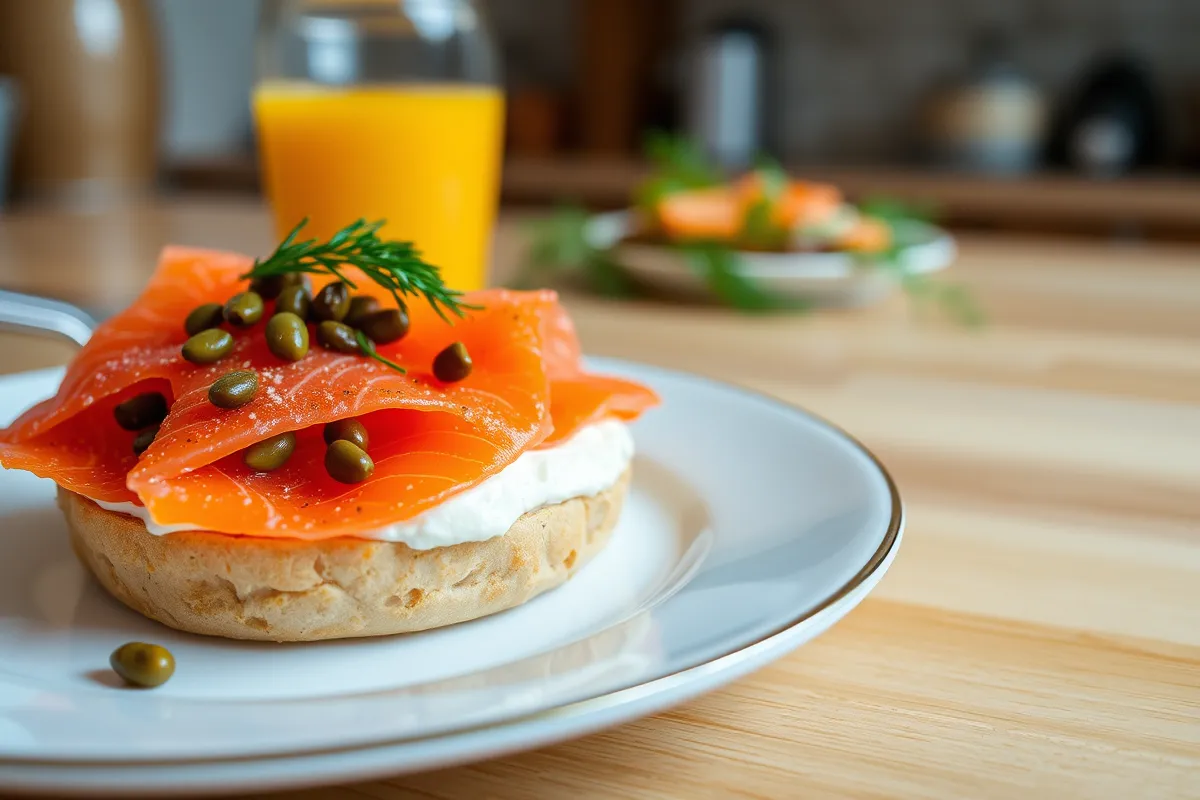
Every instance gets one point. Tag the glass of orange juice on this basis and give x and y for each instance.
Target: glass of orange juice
(383, 109)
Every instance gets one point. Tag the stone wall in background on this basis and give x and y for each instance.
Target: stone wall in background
(853, 73)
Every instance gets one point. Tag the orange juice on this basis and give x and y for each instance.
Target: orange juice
(424, 157)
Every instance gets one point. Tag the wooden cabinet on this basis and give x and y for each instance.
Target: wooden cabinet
(88, 76)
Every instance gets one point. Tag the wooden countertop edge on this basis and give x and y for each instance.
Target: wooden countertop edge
(1160, 203)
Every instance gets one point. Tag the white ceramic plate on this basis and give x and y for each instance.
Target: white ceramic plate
(751, 528)
(826, 279)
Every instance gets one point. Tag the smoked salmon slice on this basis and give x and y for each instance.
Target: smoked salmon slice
(799, 203)
(720, 212)
(715, 213)
(86, 454)
(428, 440)
(578, 398)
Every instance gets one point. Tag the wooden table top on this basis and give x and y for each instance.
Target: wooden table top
(1040, 630)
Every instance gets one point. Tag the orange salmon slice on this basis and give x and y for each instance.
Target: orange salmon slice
(429, 440)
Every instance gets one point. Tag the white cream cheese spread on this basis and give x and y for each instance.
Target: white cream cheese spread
(586, 464)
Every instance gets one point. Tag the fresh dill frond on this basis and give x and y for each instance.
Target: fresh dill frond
(396, 266)
(368, 350)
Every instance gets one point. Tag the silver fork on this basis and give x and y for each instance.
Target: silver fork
(26, 313)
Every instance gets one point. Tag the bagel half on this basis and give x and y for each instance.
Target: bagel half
(288, 590)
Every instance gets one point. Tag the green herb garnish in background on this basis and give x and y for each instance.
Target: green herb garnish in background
(717, 264)
(953, 299)
(676, 165)
(891, 211)
(394, 265)
(560, 242)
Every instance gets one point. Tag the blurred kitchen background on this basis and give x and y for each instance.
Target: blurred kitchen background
(1077, 116)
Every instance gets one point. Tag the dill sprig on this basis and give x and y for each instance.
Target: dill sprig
(396, 266)
(368, 349)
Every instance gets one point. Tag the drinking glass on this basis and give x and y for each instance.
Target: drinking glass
(383, 109)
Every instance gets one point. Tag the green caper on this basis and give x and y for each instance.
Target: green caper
(347, 463)
(270, 454)
(208, 347)
(298, 279)
(287, 336)
(349, 429)
(332, 302)
(209, 315)
(383, 327)
(337, 336)
(360, 307)
(234, 389)
(244, 309)
(294, 299)
(142, 442)
(452, 364)
(141, 412)
(268, 287)
(143, 665)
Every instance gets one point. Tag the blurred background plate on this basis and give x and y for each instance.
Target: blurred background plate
(826, 279)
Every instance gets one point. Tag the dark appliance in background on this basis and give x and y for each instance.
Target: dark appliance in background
(9, 108)
(730, 82)
(1113, 122)
(1191, 138)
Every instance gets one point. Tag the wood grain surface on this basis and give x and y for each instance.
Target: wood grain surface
(1039, 634)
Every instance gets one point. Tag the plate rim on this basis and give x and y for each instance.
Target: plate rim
(880, 557)
(385, 760)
